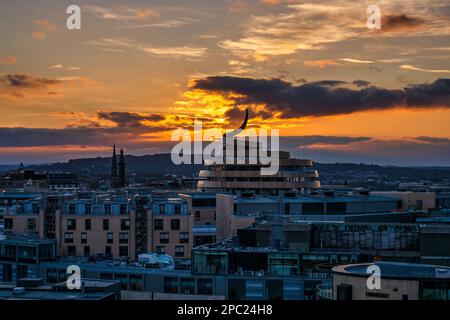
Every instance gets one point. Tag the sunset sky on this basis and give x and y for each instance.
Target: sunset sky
(137, 70)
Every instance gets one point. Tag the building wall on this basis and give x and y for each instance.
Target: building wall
(237, 222)
(202, 215)
(225, 208)
(391, 289)
(97, 240)
(185, 222)
(20, 223)
(412, 200)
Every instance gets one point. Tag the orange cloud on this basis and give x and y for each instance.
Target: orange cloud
(44, 23)
(39, 35)
(9, 60)
(321, 64)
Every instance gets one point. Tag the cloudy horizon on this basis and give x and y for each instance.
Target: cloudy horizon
(137, 70)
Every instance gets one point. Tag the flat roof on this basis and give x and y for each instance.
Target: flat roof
(397, 270)
(52, 295)
(314, 199)
(103, 267)
(199, 194)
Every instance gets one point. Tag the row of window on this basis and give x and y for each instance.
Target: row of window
(179, 251)
(174, 224)
(123, 237)
(123, 209)
(72, 251)
(72, 224)
(164, 237)
(9, 224)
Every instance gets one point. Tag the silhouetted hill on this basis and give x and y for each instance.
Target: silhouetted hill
(7, 167)
(140, 165)
(160, 164)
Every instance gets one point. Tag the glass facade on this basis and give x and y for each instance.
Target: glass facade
(283, 264)
(210, 262)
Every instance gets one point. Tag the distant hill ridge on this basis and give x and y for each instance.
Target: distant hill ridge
(160, 164)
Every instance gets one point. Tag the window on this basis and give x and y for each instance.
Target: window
(204, 286)
(109, 237)
(187, 286)
(177, 209)
(197, 214)
(184, 237)
(159, 224)
(175, 224)
(87, 224)
(105, 224)
(31, 224)
(87, 209)
(71, 224)
(136, 283)
(170, 285)
(83, 237)
(87, 251)
(123, 278)
(123, 237)
(71, 251)
(162, 209)
(72, 209)
(107, 209)
(108, 252)
(160, 249)
(164, 237)
(52, 276)
(68, 237)
(123, 251)
(123, 209)
(35, 208)
(124, 224)
(8, 224)
(179, 251)
(419, 205)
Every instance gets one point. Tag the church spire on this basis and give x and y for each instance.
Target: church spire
(114, 168)
(122, 182)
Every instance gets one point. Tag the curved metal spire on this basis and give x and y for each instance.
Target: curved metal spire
(241, 128)
(244, 124)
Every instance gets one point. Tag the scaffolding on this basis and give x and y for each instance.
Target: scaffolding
(51, 205)
(141, 238)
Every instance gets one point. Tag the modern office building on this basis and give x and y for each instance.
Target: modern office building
(398, 281)
(236, 211)
(243, 174)
(20, 257)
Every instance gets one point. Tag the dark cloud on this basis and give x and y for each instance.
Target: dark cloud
(90, 136)
(298, 141)
(436, 94)
(398, 22)
(26, 81)
(326, 98)
(33, 137)
(433, 140)
(328, 83)
(361, 83)
(129, 119)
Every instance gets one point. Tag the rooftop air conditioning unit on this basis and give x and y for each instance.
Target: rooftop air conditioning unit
(18, 291)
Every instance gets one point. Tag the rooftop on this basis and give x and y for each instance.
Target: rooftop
(397, 270)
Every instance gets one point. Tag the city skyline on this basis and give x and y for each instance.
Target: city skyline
(137, 70)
